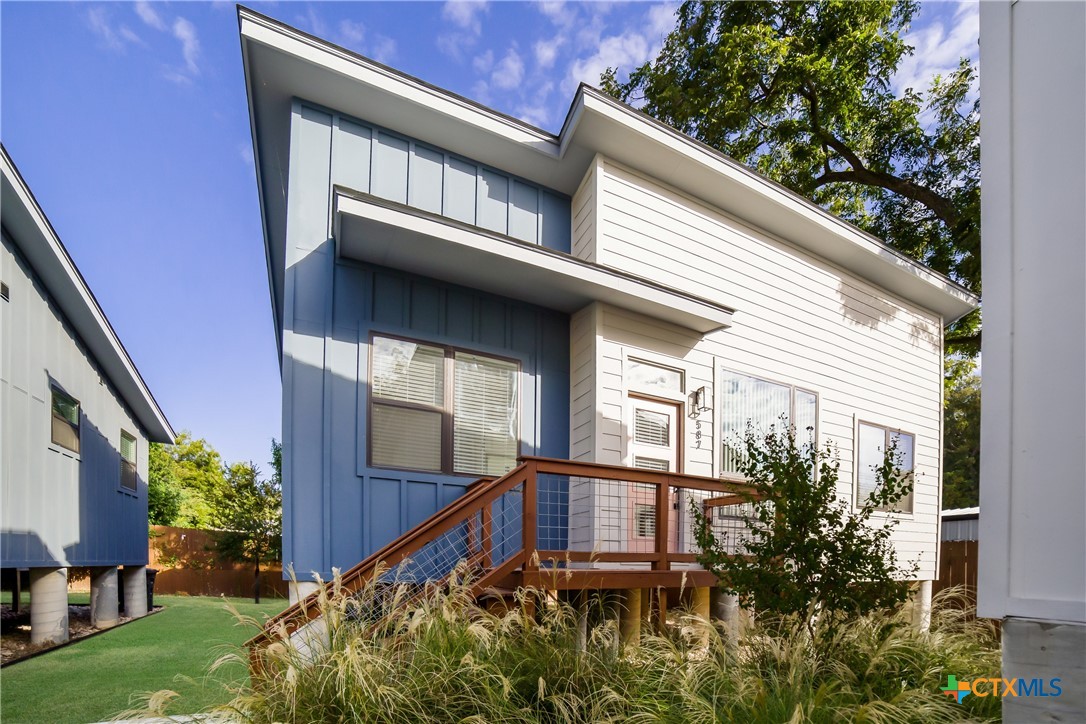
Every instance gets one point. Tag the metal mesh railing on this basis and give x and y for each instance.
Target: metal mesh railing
(486, 539)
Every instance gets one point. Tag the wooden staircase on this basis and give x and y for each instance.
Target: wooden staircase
(493, 532)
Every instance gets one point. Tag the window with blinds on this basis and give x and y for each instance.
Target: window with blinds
(128, 461)
(65, 422)
(871, 445)
(644, 520)
(652, 428)
(766, 407)
(442, 409)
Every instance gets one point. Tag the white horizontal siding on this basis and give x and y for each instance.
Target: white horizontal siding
(799, 319)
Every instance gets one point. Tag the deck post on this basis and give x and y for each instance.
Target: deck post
(630, 618)
(104, 601)
(659, 609)
(724, 607)
(922, 606)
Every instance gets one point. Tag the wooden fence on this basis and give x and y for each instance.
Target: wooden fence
(958, 567)
(187, 564)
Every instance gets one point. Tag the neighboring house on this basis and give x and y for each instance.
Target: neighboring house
(453, 288)
(1033, 421)
(960, 524)
(75, 422)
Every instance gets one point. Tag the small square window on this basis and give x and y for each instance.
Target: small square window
(128, 461)
(65, 430)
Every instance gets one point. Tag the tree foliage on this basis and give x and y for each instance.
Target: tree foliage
(804, 548)
(164, 493)
(804, 93)
(248, 516)
(961, 435)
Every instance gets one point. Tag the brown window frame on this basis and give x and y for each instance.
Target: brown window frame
(56, 419)
(446, 410)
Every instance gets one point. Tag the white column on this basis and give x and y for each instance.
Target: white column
(297, 590)
(104, 597)
(135, 591)
(48, 605)
(922, 606)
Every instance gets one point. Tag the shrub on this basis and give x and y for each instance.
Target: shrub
(805, 550)
(442, 659)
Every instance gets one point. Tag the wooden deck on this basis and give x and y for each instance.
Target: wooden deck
(494, 527)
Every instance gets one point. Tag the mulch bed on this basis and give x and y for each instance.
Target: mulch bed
(15, 631)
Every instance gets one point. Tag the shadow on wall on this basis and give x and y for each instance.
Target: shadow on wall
(345, 507)
(860, 308)
(74, 512)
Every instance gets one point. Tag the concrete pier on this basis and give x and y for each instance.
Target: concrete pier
(48, 605)
(104, 597)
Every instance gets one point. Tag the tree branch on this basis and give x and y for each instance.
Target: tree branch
(940, 205)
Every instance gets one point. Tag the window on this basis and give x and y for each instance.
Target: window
(442, 409)
(653, 379)
(764, 405)
(645, 520)
(65, 421)
(128, 461)
(871, 445)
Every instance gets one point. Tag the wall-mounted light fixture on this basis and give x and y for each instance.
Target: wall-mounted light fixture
(699, 400)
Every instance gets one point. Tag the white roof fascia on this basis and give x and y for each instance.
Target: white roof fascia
(504, 265)
(39, 243)
(782, 212)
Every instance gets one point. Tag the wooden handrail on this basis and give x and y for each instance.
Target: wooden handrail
(478, 498)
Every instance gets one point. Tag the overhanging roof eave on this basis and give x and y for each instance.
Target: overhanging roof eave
(378, 231)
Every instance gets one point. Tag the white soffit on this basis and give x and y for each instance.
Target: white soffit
(282, 63)
(380, 232)
(26, 223)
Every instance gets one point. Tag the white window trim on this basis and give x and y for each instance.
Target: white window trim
(722, 368)
(856, 504)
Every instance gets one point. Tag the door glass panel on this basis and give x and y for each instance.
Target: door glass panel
(651, 463)
(646, 377)
(651, 428)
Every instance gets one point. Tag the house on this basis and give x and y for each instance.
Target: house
(455, 291)
(1032, 486)
(75, 422)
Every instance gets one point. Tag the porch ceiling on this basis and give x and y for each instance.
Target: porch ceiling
(381, 232)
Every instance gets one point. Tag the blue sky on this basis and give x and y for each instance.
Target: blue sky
(129, 122)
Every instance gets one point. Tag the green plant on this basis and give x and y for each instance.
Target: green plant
(433, 655)
(807, 553)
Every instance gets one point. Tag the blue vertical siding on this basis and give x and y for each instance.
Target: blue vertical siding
(337, 510)
(400, 169)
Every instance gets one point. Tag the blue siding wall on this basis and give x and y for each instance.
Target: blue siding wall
(336, 509)
(372, 160)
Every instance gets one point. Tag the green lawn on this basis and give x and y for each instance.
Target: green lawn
(95, 679)
(74, 599)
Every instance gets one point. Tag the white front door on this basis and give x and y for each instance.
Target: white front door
(653, 445)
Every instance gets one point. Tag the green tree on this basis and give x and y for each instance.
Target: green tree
(164, 493)
(200, 473)
(961, 435)
(803, 92)
(803, 547)
(248, 516)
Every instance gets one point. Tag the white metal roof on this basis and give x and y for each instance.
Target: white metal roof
(38, 242)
